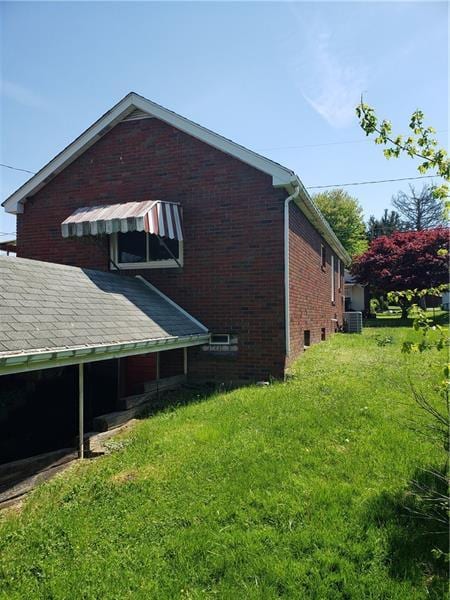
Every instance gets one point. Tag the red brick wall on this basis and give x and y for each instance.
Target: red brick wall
(138, 370)
(233, 275)
(310, 284)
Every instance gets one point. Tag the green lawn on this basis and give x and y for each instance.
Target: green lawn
(297, 490)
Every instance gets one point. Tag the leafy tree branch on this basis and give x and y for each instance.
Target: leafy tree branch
(420, 143)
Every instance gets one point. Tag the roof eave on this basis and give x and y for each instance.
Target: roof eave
(312, 212)
(17, 362)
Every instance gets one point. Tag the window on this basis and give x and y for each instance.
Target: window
(137, 249)
(220, 339)
(339, 275)
(323, 334)
(323, 257)
(333, 291)
(306, 338)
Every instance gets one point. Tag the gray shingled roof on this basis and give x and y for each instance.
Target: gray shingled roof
(46, 306)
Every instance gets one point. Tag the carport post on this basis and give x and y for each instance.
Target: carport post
(81, 410)
(185, 362)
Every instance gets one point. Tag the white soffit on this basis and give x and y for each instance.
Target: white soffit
(281, 176)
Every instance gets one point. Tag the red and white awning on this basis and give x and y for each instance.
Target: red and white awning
(153, 216)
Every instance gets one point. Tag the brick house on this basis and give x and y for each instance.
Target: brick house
(228, 235)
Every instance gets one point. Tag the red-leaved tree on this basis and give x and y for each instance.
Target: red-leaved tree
(412, 260)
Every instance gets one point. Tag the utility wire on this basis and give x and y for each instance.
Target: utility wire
(310, 187)
(17, 169)
(317, 187)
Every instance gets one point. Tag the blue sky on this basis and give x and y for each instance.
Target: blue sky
(280, 78)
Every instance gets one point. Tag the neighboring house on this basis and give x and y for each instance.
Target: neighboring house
(228, 235)
(356, 294)
(445, 300)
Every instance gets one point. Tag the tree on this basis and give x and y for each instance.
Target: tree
(389, 223)
(420, 210)
(411, 260)
(424, 146)
(345, 216)
(419, 144)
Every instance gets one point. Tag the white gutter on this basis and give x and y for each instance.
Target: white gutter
(287, 316)
(44, 359)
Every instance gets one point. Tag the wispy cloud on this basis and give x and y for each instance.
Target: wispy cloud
(22, 95)
(330, 81)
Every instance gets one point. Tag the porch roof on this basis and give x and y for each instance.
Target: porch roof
(54, 314)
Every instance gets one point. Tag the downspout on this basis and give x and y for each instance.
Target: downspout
(287, 327)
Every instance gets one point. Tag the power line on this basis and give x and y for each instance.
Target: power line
(17, 169)
(312, 145)
(310, 187)
(316, 187)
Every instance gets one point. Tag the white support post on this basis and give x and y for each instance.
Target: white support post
(81, 410)
(185, 364)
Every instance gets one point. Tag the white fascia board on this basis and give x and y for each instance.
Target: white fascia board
(313, 214)
(14, 203)
(171, 302)
(281, 176)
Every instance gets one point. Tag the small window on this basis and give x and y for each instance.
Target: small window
(323, 256)
(306, 338)
(138, 249)
(323, 335)
(333, 275)
(220, 339)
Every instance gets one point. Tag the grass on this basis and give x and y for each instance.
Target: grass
(393, 318)
(297, 490)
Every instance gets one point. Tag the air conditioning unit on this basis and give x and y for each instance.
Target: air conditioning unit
(353, 322)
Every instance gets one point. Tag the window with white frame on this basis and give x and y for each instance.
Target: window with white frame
(220, 339)
(333, 275)
(323, 257)
(141, 250)
(339, 283)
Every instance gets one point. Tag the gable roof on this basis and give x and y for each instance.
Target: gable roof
(131, 102)
(134, 104)
(58, 310)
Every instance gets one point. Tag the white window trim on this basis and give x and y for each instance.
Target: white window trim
(339, 286)
(227, 343)
(153, 264)
(333, 275)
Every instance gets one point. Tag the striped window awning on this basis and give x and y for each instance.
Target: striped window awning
(153, 216)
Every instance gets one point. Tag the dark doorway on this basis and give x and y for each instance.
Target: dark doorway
(38, 412)
(39, 409)
(100, 389)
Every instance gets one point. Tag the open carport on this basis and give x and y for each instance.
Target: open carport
(82, 348)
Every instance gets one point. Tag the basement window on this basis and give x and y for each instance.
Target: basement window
(323, 256)
(139, 250)
(323, 334)
(220, 339)
(306, 338)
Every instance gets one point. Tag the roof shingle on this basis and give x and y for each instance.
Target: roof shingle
(47, 306)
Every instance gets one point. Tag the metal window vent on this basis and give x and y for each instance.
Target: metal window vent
(137, 114)
(353, 322)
